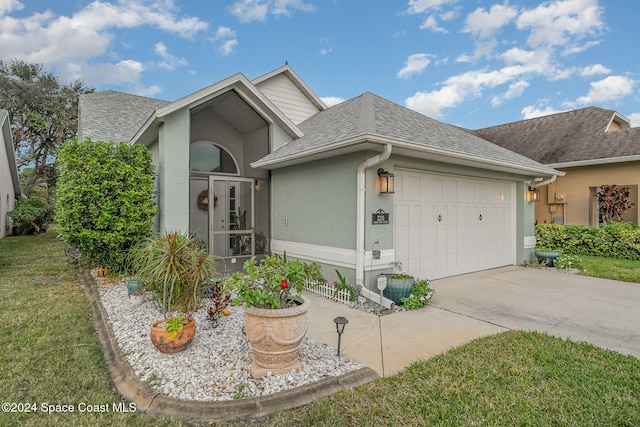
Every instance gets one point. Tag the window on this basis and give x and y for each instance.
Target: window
(208, 157)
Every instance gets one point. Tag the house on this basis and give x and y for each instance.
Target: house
(9, 182)
(592, 145)
(258, 166)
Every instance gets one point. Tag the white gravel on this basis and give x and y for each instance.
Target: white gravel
(216, 366)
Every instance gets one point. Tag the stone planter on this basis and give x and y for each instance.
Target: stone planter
(166, 343)
(275, 337)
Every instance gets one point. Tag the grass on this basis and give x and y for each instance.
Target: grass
(611, 268)
(50, 354)
(514, 378)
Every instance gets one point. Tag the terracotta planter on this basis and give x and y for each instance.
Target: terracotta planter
(102, 271)
(275, 337)
(164, 341)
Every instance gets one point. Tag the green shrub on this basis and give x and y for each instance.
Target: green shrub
(105, 201)
(32, 215)
(617, 240)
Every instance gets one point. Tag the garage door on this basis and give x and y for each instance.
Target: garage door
(446, 225)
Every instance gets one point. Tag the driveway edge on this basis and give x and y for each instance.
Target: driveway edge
(150, 401)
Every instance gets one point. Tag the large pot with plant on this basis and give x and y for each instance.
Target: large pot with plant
(176, 268)
(275, 310)
(399, 284)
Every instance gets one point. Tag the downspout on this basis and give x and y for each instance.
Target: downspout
(360, 225)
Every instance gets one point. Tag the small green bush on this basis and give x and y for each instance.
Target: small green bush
(32, 215)
(105, 200)
(617, 240)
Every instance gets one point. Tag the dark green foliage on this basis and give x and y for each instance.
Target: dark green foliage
(105, 201)
(616, 240)
(43, 113)
(32, 215)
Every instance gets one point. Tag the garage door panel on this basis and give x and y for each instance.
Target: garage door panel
(452, 225)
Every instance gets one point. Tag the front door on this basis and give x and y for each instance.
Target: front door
(231, 216)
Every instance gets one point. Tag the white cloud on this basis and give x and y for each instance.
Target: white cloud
(420, 6)
(484, 24)
(284, 7)
(170, 62)
(10, 6)
(561, 22)
(635, 119)
(415, 64)
(257, 10)
(326, 51)
(331, 100)
(226, 39)
(515, 90)
(249, 10)
(592, 70)
(531, 112)
(431, 24)
(73, 45)
(611, 88)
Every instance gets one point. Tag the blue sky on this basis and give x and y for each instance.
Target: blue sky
(471, 63)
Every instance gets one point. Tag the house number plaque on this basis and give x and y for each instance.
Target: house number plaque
(380, 217)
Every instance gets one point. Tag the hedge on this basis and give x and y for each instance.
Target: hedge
(105, 199)
(616, 240)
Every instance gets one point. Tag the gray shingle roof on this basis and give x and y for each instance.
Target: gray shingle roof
(573, 136)
(369, 114)
(114, 116)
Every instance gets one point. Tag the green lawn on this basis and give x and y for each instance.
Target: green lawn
(610, 268)
(50, 355)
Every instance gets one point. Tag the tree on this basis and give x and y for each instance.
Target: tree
(43, 112)
(105, 199)
(612, 203)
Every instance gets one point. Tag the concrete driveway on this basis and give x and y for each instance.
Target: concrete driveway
(603, 312)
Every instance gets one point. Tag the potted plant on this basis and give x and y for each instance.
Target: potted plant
(275, 310)
(176, 268)
(399, 284)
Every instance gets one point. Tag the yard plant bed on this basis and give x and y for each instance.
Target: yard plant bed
(515, 378)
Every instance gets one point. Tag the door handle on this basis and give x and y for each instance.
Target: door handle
(480, 217)
(439, 218)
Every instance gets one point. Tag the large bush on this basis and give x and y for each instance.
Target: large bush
(31, 215)
(105, 201)
(616, 240)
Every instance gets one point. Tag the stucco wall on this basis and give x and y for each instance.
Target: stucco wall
(578, 204)
(7, 194)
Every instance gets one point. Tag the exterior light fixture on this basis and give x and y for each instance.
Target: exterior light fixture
(385, 181)
(533, 194)
(340, 324)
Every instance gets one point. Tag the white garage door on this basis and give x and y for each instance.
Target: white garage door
(447, 225)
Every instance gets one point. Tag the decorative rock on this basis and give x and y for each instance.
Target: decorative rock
(217, 364)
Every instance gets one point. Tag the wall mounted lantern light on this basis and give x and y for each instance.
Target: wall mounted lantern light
(533, 194)
(385, 182)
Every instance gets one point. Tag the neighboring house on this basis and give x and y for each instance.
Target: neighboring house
(9, 182)
(593, 146)
(257, 166)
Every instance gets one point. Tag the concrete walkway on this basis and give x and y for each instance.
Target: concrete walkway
(603, 312)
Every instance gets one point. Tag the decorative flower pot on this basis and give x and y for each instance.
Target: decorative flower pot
(398, 288)
(102, 271)
(275, 337)
(166, 342)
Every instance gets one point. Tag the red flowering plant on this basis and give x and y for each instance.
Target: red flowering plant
(272, 284)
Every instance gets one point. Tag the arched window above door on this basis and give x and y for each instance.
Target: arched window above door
(209, 157)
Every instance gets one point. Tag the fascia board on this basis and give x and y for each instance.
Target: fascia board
(595, 162)
(297, 81)
(236, 82)
(442, 155)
